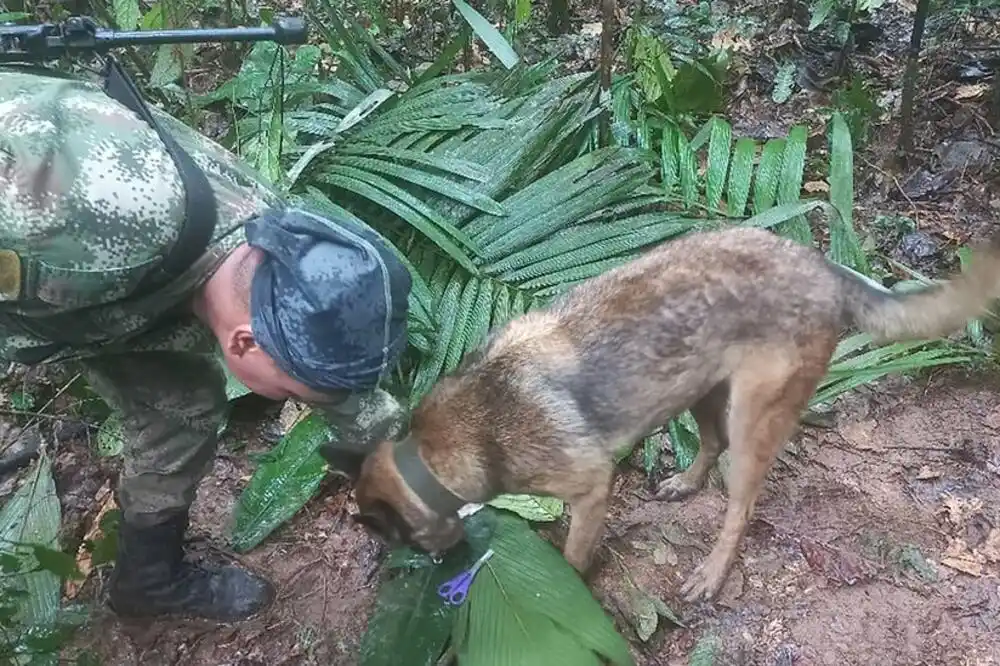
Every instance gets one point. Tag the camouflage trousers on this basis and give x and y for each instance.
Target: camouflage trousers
(174, 405)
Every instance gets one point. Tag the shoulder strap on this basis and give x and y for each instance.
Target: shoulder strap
(200, 210)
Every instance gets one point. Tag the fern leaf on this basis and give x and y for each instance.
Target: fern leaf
(768, 173)
(669, 160)
(406, 206)
(718, 161)
(845, 248)
(424, 179)
(463, 326)
(790, 186)
(448, 315)
(687, 169)
(740, 175)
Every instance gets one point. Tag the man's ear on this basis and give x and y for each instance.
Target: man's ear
(343, 461)
(241, 341)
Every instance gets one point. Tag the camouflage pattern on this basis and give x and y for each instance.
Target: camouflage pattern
(90, 199)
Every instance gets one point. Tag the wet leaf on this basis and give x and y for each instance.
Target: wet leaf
(410, 618)
(283, 483)
(529, 606)
(530, 507)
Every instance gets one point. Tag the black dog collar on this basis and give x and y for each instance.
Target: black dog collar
(422, 481)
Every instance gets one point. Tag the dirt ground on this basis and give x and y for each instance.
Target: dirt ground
(877, 540)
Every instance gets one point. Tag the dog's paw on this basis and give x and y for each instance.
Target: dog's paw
(704, 584)
(675, 488)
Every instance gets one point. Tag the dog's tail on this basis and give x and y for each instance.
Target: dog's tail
(929, 312)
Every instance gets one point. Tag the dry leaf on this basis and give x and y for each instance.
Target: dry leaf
(991, 549)
(971, 91)
(83, 556)
(591, 29)
(925, 473)
(814, 186)
(964, 565)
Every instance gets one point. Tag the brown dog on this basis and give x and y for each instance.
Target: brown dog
(737, 325)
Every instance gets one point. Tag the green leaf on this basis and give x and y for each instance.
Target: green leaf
(60, 563)
(790, 185)
(409, 617)
(684, 439)
(282, 484)
(110, 436)
(166, 67)
(492, 37)
(845, 248)
(528, 606)
(530, 507)
(32, 516)
(718, 161)
(126, 13)
(22, 400)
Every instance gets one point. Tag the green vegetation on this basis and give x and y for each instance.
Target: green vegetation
(496, 187)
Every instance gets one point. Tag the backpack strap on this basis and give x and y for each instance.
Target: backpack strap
(200, 208)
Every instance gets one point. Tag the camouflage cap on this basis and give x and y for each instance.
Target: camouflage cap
(328, 302)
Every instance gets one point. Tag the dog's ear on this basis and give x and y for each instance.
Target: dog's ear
(344, 461)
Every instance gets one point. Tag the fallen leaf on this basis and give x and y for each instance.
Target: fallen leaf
(530, 507)
(837, 565)
(991, 549)
(971, 91)
(814, 186)
(84, 558)
(964, 565)
(592, 29)
(660, 555)
(926, 473)
(646, 612)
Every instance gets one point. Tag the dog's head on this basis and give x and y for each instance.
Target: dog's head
(390, 509)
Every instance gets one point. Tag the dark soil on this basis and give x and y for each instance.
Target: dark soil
(876, 541)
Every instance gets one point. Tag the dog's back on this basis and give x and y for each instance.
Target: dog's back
(622, 353)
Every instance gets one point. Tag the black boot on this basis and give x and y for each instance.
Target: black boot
(151, 579)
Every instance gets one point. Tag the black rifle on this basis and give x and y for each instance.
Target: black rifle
(81, 34)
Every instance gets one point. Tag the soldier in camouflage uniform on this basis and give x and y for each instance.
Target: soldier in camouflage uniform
(301, 307)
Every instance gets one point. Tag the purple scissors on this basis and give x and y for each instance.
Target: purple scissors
(456, 590)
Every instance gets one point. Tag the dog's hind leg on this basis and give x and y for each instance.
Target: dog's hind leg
(589, 512)
(769, 392)
(710, 415)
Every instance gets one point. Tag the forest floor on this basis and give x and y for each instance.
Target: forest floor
(877, 538)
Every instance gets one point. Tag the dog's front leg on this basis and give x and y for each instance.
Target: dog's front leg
(586, 527)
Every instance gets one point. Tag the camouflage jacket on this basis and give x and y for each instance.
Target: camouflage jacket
(91, 200)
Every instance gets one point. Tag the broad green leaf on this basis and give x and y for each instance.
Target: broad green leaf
(32, 516)
(283, 483)
(409, 617)
(61, 564)
(530, 507)
(528, 606)
(126, 13)
(492, 37)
